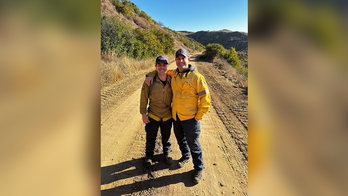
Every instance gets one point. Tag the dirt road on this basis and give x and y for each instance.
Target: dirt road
(223, 139)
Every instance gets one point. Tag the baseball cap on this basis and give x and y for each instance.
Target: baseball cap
(160, 59)
(182, 51)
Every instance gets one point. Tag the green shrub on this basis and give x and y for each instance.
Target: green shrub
(120, 39)
(116, 2)
(201, 47)
(105, 44)
(153, 46)
(144, 15)
(138, 51)
(213, 50)
(188, 42)
(232, 58)
(116, 36)
(135, 8)
(166, 40)
(185, 42)
(124, 10)
(126, 3)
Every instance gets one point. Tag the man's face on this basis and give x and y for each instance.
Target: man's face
(161, 68)
(182, 61)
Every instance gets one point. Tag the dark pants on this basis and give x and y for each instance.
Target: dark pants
(151, 129)
(187, 133)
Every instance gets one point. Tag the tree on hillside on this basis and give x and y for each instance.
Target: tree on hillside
(161, 24)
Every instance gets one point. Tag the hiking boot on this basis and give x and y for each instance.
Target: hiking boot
(148, 162)
(182, 161)
(168, 159)
(197, 176)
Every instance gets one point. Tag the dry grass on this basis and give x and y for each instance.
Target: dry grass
(114, 69)
(238, 78)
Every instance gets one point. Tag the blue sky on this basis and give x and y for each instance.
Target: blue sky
(198, 15)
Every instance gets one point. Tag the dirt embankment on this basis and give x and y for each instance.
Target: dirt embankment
(223, 139)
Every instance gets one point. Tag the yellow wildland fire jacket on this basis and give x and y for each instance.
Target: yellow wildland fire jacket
(191, 97)
(160, 98)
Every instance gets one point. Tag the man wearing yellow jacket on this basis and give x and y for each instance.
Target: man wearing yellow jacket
(191, 100)
(158, 114)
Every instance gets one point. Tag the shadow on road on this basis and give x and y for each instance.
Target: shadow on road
(116, 172)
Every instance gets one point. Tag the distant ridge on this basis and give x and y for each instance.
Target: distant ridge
(225, 37)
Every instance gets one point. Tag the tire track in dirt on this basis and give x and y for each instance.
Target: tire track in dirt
(234, 171)
(239, 108)
(230, 103)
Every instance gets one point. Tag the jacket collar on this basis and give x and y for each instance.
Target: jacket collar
(158, 80)
(191, 68)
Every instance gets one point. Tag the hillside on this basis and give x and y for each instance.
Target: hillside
(226, 38)
(132, 18)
